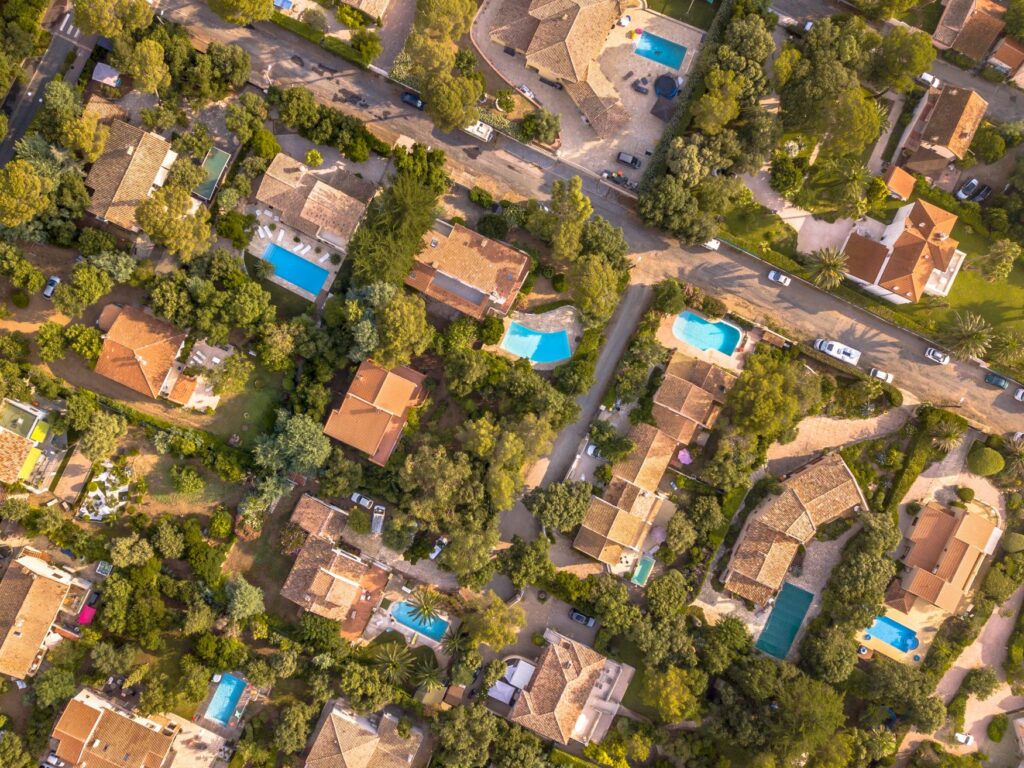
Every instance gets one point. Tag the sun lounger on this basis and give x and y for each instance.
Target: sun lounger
(324, 258)
(280, 235)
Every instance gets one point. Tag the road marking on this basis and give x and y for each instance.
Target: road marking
(64, 21)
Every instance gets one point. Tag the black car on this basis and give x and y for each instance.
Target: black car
(94, 597)
(582, 618)
(627, 159)
(552, 83)
(983, 194)
(413, 100)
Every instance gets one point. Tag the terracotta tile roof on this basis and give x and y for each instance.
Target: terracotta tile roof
(29, 603)
(608, 532)
(712, 379)
(763, 556)
(513, 26)
(103, 109)
(467, 271)
(570, 35)
(1009, 53)
(686, 399)
(927, 162)
(757, 593)
(647, 463)
(953, 18)
(864, 257)
(929, 536)
(319, 518)
(954, 119)
(123, 176)
(632, 499)
(183, 389)
(14, 452)
(344, 740)
(139, 351)
(324, 580)
(675, 425)
(555, 697)
(978, 35)
(605, 114)
(899, 182)
(897, 598)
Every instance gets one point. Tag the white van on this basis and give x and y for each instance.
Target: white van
(479, 130)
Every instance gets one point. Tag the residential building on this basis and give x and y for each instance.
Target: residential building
(141, 352)
(318, 518)
(1008, 58)
(133, 164)
(969, 27)
(32, 594)
(571, 692)
(375, 409)
(327, 207)
(820, 492)
(26, 450)
(946, 550)
(690, 397)
(466, 271)
(343, 739)
(104, 74)
(915, 256)
(944, 127)
(561, 40)
(900, 183)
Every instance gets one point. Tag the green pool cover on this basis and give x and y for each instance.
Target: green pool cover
(214, 164)
(787, 616)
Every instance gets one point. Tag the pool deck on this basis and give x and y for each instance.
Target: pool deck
(564, 318)
(382, 621)
(924, 619)
(285, 237)
(733, 362)
(227, 732)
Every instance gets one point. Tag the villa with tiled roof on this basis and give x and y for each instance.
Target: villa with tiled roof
(24, 434)
(343, 739)
(318, 518)
(969, 27)
(820, 492)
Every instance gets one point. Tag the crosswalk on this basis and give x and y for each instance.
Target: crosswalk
(68, 28)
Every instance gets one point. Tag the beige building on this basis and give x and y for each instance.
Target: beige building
(343, 739)
(690, 397)
(944, 126)
(969, 27)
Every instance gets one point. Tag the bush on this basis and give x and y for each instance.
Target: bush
(351, 17)
(787, 178)
(492, 225)
(491, 330)
(359, 520)
(560, 282)
(481, 197)
(965, 494)
(984, 461)
(1013, 542)
(307, 31)
(541, 126)
(19, 298)
(713, 307)
(997, 727)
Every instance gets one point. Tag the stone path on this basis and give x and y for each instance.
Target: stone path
(876, 159)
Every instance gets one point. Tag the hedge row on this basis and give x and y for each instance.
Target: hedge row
(331, 44)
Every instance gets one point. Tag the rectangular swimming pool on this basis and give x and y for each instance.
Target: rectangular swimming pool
(659, 49)
(537, 346)
(434, 629)
(893, 633)
(704, 334)
(643, 571)
(295, 269)
(214, 164)
(223, 705)
(783, 624)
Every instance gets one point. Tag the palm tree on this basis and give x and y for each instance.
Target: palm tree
(828, 268)
(1015, 457)
(969, 335)
(427, 675)
(947, 435)
(454, 643)
(424, 605)
(1007, 347)
(394, 661)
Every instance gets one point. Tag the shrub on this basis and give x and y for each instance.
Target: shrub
(491, 330)
(997, 727)
(481, 197)
(352, 17)
(1013, 542)
(713, 307)
(492, 225)
(541, 126)
(984, 461)
(359, 520)
(786, 179)
(965, 494)
(560, 282)
(19, 298)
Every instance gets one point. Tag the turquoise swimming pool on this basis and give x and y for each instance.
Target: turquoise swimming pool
(788, 614)
(643, 571)
(434, 629)
(893, 633)
(704, 335)
(659, 49)
(214, 164)
(537, 346)
(295, 269)
(224, 702)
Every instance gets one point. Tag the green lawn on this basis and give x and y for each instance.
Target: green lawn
(698, 13)
(924, 16)
(628, 652)
(288, 304)
(252, 412)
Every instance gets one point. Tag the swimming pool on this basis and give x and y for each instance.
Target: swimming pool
(434, 629)
(704, 335)
(223, 705)
(783, 624)
(214, 164)
(643, 571)
(295, 269)
(537, 346)
(660, 50)
(893, 633)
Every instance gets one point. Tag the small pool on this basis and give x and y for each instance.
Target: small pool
(537, 346)
(660, 50)
(785, 620)
(224, 704)
(704, 335)
(434, 629)
(214, 164)
(643, 571)
(295, 269)
(893, 633)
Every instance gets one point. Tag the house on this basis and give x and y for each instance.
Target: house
(32, 594)
(900, 183)
(1008, 58)
(312, 203)
(24, 444)
(466, 271)
(571, 692)
(820, 492)
(561, 40)
(373, 413)
(690, 397)
(947, 548)
(969, 27)
(949, 118)
(343, 739)
(318, 518)
(133, 164)
(104, 74)
(141, 352)
(915, 255)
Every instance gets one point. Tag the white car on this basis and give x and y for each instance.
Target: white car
(50, 287)
(525, 90)
(713, 244)
(838, 351)
(937, 356)
(1019, 394)
(592, 451)
(778, 277)
(964, 738)
(439, 546)
(926, 78)
(362, 501)
(881, 375)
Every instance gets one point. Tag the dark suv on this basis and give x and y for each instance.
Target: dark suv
(413, 100)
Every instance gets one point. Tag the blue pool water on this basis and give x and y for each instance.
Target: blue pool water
(225, 699)
(660, 50)
(295, 269)
(537, 346)
(703, 334)
(643, 571)
(434, 629)
(787, 616)
(892, 632)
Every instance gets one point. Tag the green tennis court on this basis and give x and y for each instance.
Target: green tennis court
(214, 164)
(787, 616)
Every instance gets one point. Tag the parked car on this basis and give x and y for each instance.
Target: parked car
(996, 380)
(551, 83)
(93, 598)
(592, 451)
(377, 520)
(964, 738)
(712, 244)
(50, 287)
(837, 350)
(509, 51)
(362, 501)
(627, 159)
(413, 100)
(926, 78)
(525, 90)
(967, 189)
(439, 546)
(983, 194)
(881, 375)
(582, 618)
(1019, 396)
(778, 277)
(640, 87)
(937, 356)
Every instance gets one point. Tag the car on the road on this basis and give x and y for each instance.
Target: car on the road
(712, 244)
(937, 356)
(926, 78)
(592, 451)
(996, 380)
(362, 501)
(878, 373)
(779, 277)
(50, 287)
(837, 350)
(581, 618)
(439, 546)
(1019, 396)
(983, 194)
(967, 189)
(627, 159)
(525, 90)
(413, 100)
(964, 738)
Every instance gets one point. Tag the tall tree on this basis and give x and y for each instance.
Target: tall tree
(112, 18)
(968, 335)
(24, 193)
(572, 209)
(166, 217)
(904, 54)
(828, 268)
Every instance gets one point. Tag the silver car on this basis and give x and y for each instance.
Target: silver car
(881, 375)
(937, 356)
(779, 277)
